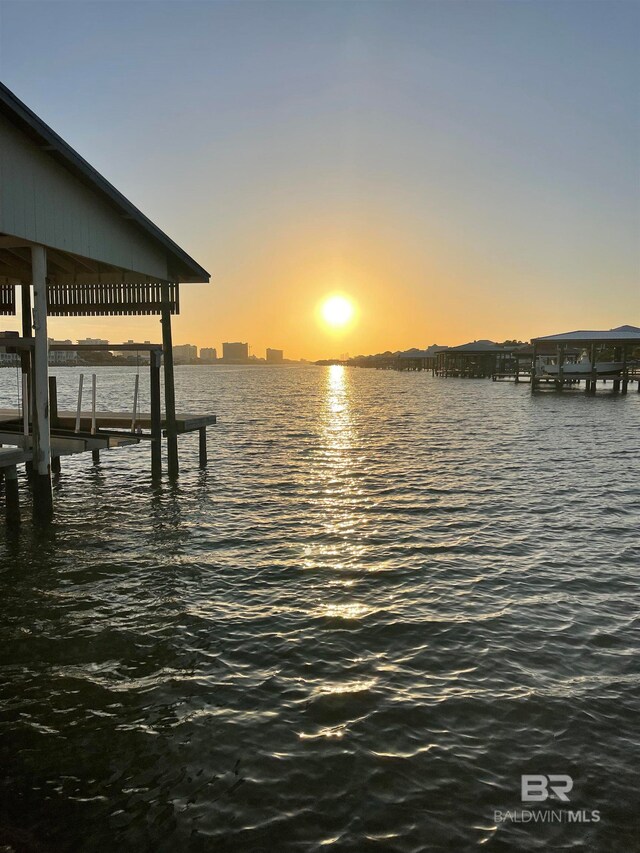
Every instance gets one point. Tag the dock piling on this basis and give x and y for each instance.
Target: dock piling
(203, 447)
(93, 403)
(156, 414)
(560, 383)
(25, 355)
(79, 409)
(42, 497)
(134, 415)
(590, 384)
(53, 401)
(534, 365)
(169, 387)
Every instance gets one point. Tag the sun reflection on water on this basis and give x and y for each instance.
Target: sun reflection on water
(337, 423)
(338, 544)
(347, 610)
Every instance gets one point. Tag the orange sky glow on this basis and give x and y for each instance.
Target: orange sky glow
(458, 170)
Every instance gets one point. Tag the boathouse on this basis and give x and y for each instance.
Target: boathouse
(72, 245)
(417, 359)
(521, 361)
(613, 355)
(477, 359)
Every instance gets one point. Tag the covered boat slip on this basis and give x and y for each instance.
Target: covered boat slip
(475, 360)
(91, 429)
(612, 355)
(72, 245)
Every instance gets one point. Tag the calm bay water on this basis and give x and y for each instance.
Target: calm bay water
(386, 598)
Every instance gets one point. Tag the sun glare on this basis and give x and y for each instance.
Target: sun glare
(337, 311)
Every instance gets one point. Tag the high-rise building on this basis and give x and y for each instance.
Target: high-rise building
(141, 356)
(275, 356)
(184, 353)
(93, 341)
(235, 353)
(208, 354)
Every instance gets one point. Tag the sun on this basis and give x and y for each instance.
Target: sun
(337, 311)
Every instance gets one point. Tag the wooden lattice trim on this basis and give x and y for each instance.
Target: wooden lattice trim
(67, 300)
(7, 299)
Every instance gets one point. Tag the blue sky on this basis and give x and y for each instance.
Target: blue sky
(463, 170)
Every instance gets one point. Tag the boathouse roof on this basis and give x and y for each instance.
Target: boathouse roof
(621, 334)
(53, 197)
(429, 352)
(480, 346)
(544, 348)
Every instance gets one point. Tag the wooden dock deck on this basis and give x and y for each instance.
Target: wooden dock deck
(185, 421)
(71, 432)
(12, 456)
(618, 382)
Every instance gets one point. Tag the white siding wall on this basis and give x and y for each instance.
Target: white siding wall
(43, 202)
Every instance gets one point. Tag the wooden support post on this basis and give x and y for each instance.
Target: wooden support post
(27, 332)
(53, 401)
(12, 507)
(53, 412)
(156, 413)
(134, 415)
(25, 364)
(27, 329)
(203, 447)
(25, 409)
(79, 407)
(95, 454)
(94, 382)
(625, 370)
(42, 499)
(591, 385)
(534, 366)
(560, 367)
(169, 387)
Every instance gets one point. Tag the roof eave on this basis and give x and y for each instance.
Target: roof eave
(28, 121)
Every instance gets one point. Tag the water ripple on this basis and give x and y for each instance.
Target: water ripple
(387, 598)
